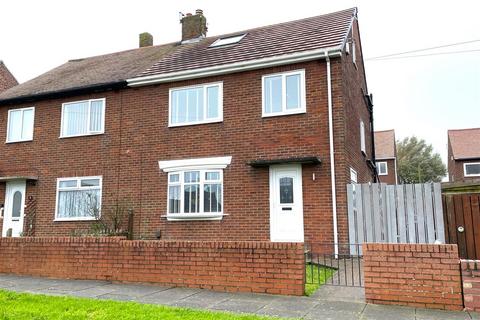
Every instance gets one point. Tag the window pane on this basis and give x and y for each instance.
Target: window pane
(68, 183)
(90, 183)
(212, 197)
(195, 105)
(179, 106)
(174, 177)
(27, 127)
(212, 175)
(15, 125)
(78, 203)
(293, 91)
(192, 199)
(17, 204)
(212, 102)
(286, 190)
(191, 176)
(174, 199)
(273, 94)
(472, 169)
(75, 118)
(96, 115)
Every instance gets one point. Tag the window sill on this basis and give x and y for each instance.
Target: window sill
(197, 216)
(73, 219)
(82, 135)
(175, 125)
(269, 115)
(19, 141)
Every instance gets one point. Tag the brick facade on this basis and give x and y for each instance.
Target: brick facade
(471, 284)
(389, 178)
(137, 136)
(456, 171)
(7, 80)
(261, 267)
(417, 275)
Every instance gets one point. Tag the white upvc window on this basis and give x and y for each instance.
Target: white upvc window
(471, 169)
(354, 52)
(78, 198)
(353, 176)
(82, 118)
(283, 93)
(20, 124)
(362, 137)
(382, 168)
(196, 104)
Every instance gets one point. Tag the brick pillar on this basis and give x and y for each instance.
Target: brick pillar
(471, 284)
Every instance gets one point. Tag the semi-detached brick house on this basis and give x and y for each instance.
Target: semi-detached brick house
(386, 156)
(464, 155)
(227, 137)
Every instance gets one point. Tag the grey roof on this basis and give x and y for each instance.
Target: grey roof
(320, 32)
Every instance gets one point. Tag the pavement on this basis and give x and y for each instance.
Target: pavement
(329, 302)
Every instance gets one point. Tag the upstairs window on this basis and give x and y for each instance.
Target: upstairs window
(196, 105)
(362, 138)
(83, 118)
(471, 169)
(20, 125)
(382, 168)
(353, 176)
(227, 40)
(79, 198)
(283, 93)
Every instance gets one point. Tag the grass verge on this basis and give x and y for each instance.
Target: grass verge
(23, 306)
(316, 276)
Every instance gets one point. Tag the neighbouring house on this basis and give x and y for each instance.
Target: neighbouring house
(464, 155)
(7, 80)
(251, 135)
(386, 156)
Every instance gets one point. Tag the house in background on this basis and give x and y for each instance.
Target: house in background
(246, 136)
(386, 156)
(7, 80)
(464, 155)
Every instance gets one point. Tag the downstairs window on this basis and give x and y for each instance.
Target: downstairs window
(78, 198)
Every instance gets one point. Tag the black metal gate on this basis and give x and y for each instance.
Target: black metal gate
(334, 265)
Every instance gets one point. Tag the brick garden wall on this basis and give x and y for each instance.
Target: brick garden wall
(471, 284)
(418, 275)
(262, 267)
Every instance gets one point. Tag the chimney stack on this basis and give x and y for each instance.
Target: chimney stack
(145, 40)
(194, 27)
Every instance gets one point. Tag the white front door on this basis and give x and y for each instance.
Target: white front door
(14, 207)
(286, 203)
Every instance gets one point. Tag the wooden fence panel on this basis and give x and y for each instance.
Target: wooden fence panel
(395, 213)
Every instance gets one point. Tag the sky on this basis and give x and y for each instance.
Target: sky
(422, 96)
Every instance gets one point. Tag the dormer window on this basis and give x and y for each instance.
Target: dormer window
(227, 40)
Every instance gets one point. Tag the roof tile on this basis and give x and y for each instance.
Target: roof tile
(465, 143)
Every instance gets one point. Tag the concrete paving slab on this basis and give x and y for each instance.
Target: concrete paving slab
(239, 306)
(135, 290)
(475, 315)
(429, 314)
(204, 299)
(168, 297)
(382, 312)
(337, 293)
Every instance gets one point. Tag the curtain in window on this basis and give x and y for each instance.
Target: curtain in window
(212, 197)
(75, 119)
(96, 113)
(78, 203)
(15, 125)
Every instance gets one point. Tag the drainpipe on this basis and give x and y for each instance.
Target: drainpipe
(332, 156)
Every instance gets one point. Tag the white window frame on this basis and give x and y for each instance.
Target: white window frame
(202, 181)
(354, 53)
(228, 40)
(353, 176)
(284, 111)
(78, 187)
(205, 120)
(8, 124)
(379, 163)
(89, 133)
(465, 169)
(363, 147)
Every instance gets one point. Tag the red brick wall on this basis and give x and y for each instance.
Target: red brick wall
(471, 284)
(417, 275)
(7, 80)
(262, 267)
(390, 177)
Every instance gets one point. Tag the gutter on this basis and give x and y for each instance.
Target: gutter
(66, 92)
(237, 67)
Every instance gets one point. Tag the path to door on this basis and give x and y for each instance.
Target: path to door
(320, 306)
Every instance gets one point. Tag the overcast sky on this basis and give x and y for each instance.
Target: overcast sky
(424, 96)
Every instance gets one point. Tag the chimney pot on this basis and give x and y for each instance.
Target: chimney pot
(194, 26)
(145, 40)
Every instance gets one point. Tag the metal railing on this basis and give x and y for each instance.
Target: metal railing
(324, 267)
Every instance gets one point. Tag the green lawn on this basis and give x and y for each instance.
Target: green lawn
(22, 306)
(315, 276)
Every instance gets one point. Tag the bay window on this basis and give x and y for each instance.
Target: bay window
(83, 118)
(78, 198)
(196, 105)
